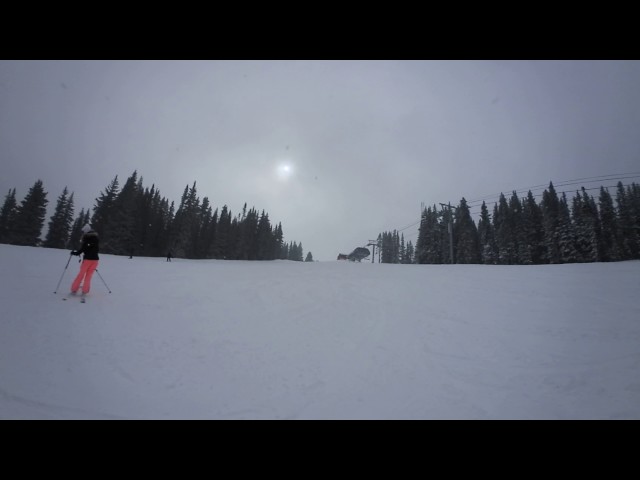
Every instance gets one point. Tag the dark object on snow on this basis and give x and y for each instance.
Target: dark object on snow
(358, 254)
(342, 256)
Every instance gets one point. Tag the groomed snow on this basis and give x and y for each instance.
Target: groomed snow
(211, 339)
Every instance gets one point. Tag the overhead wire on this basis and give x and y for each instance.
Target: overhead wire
(563, 183)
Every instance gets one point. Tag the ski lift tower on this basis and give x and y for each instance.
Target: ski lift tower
(453, 211)
(372, 243)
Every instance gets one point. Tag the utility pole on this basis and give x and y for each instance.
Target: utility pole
(450, 228)
(372, 243)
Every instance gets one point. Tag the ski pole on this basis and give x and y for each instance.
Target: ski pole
(105, 283)
(65, 269)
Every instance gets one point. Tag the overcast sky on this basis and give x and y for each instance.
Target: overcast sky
(365, 142)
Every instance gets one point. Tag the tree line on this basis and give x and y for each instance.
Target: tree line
(134, 219)
(522, 232)
(393, 249)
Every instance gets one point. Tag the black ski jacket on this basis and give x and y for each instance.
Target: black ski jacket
(90, 246)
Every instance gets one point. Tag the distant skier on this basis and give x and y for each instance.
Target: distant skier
(90, 248)
(169, 256)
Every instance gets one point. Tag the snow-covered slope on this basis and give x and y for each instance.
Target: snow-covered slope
(324, 340)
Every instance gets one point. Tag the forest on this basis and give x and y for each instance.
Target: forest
(137, 220)
(519, 231)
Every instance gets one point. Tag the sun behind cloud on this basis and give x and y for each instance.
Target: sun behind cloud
(284, 171)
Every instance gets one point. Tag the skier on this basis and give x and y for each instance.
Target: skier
(169, 256)
(90, 248)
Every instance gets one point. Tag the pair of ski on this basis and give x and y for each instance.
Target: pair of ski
(83, 297)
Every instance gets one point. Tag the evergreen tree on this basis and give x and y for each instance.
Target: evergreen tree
(438, 250)
(210, 236)
(396, 247)
(586, 227)
(410, 253)
(295, 252)
(309, 257)
(550, 211)
(30, 216)
(445, 224)
(264, 237)
(610, 233)
(532, 233)
(421, 243)
(465, 235)
(389, 254)
(8, 216)
(68, 215)
(486, 237)
(102, 211)
(205, 217)
(430, 245)
(595, 228)
(234, 235)
(144, 219)
(247, 225)
(162, 216)
(566, 239)
(75, 235)
(60, 222)
(390, 247)
(628, 222)
(182, 223)
(119, 233)
(223, 230)
(503, 226)
(136, 217)
(284, 254)
(186, 225)
(278, 242)
(516, 230)
(633, 192)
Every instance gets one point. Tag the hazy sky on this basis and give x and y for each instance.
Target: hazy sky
(365, 142)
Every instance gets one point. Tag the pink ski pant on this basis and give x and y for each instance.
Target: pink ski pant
(86, 272)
